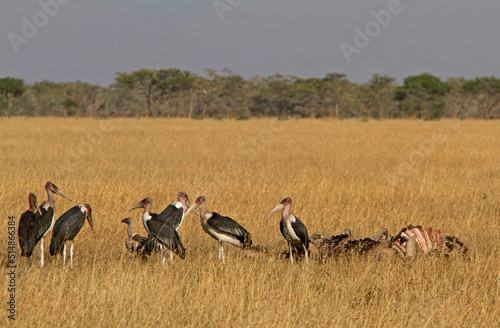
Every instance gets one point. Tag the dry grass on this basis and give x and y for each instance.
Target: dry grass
(339, 174)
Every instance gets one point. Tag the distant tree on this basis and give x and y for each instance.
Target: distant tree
(336, 95)
(486, 91)
(232, 92)
(11, 88)
(155, 85)
(70, 105)
(278, 87)
(457, 102)
(305, 96)
(47, 98)
(422, 96)
(80, 97)
(378, 96)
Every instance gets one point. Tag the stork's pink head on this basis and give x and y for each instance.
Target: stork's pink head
(50, 187)
(146, 202)
(199, 203)
(33, 203)
(286, 201)
(184, 199)
(201, 200)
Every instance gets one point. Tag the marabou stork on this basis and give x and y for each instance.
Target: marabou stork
(160, 230)
(27, 222)
(67, 227)
(174, 213)
(221, 228)
(134, 241)
(292, 229)
(45, 223)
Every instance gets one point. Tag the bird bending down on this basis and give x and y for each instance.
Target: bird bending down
(134, 241)
(46, 221)
(221, 228)
(67, 227)
(27, 222)
(160, 230)
(292, 229)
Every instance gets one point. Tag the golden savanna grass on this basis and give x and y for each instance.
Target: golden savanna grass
(340, 174)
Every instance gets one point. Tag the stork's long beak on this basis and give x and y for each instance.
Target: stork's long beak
(89, 219)
(60, 193)
(193, 207)
(188, 203)
(138, 205)
(37, 208)
(276, 209)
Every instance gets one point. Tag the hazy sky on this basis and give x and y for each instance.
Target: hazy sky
(90, 41)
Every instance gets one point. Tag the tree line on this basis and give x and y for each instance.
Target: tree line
(223, 94)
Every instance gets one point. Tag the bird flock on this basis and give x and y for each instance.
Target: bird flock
(37, 222)
(163, 232)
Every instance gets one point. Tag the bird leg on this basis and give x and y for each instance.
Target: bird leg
(41, 251)
(71, 254)
(305, 250)
(291, 254)
(171, 257)
(64, 255)
(162, 255)
(220, 246)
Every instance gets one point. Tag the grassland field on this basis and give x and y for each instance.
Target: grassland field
(339, 174)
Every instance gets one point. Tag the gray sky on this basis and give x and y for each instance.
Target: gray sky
(90, 41)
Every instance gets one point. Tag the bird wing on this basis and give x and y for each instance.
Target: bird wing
(149, 246)
(66, 228)
(43, 223)
(26, 230)
(166, 235)
(282, 229)
(141, 241)
(301, 232)
(229, 226)
(172, 215)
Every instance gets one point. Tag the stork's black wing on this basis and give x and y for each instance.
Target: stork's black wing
(166, 235)
(229, 226)
(149, 246)
(172, 215)
(66, 228)
(282, 229)
(43, 223)
(27, 233)
(301, 232)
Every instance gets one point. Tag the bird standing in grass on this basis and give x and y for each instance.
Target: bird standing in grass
(27, 230)
(67, 228)
(221, 228)
(45, 223)
(160, 230)
(292, 229)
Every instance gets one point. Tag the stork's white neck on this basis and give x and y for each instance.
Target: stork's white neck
(179, 205)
